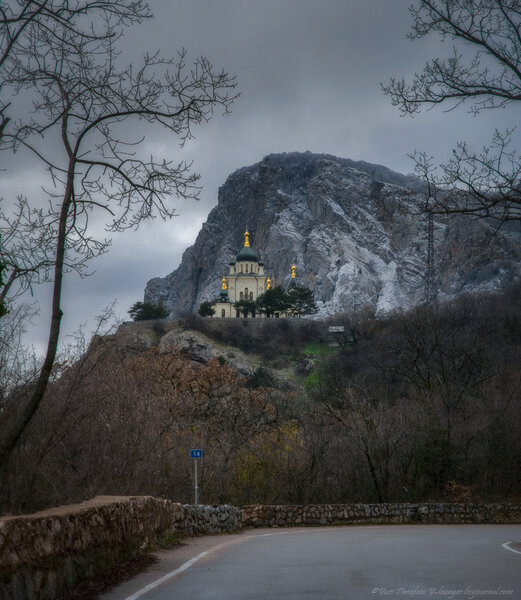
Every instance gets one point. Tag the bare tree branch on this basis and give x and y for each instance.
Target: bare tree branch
(84, 100)
(483, 72)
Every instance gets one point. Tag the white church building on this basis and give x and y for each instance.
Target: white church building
(246, 281)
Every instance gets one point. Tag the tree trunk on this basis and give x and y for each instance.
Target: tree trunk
(16, 429)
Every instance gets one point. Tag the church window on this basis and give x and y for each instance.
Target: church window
(223, 313)
(241, 296)
(251, 295)
(246, 267)
(241, 268)
(246, 293)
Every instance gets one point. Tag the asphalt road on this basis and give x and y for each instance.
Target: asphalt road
(349, 563)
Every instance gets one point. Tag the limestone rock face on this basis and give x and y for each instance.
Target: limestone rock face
(354, 230)
(190, 343)
(169, 336)
(198, 348)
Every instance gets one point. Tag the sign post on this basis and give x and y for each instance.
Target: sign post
(196, 455)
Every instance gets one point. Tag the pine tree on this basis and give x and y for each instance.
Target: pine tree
(206, 310)
(144, 311)
(274, 300)
(246, 307)
(301, 301)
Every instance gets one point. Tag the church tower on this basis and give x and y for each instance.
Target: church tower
(293, 281)
(246, 280)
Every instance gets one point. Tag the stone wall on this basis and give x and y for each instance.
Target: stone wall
(344, 514)
(46, 553)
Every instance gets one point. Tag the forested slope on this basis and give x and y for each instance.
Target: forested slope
(421, 405)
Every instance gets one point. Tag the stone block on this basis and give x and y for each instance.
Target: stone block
(18, 586)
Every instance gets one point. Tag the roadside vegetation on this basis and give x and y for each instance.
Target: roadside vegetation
(417, 406)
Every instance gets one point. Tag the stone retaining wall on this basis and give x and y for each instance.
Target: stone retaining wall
(344, 514)
(46, 553)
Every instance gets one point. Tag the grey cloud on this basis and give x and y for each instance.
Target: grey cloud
(309, 74)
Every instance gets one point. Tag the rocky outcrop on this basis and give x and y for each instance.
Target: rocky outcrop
(170, 336)
(354, 230)
(345, 514)
(46, 553)
(192, 344)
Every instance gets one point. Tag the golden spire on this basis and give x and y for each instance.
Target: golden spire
(224, 287)
(246, 239)
(293, 271)
(268, 284)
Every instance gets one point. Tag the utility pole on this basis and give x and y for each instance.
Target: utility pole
(430, 292)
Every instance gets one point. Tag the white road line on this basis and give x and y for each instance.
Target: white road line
(506, 546)
(167, 577)
(184, 567)
(192, 561)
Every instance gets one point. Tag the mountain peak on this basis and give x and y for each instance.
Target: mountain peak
(353, 229)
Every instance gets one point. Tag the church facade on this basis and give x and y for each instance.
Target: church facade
(246, 280)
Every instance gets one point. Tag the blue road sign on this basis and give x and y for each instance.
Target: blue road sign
(198, 453)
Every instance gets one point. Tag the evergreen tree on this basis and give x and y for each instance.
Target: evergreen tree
(301, 301)
(246, 307)
(145, 311)
(206, 310)
(274, 300)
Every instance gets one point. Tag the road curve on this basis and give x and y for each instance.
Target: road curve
(434, 562)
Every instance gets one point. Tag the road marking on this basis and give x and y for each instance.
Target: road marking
(167, 577)
(185, 566)
(506, 545)
(192, 561)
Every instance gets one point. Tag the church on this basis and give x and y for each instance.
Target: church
(246, 281)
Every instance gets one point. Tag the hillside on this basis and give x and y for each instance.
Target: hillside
(282, 350)
(354, 230)
(421, 406)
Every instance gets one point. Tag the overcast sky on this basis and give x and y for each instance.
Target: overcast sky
(309, 75)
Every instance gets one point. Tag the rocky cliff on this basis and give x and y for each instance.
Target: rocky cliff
(354, 230)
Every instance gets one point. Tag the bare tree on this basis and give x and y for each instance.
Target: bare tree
(22, 19)
(3, 309)
(18, 364)
(484, 73)
(443, 363)
(27, 249)
(89, 104)
(375, 426)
